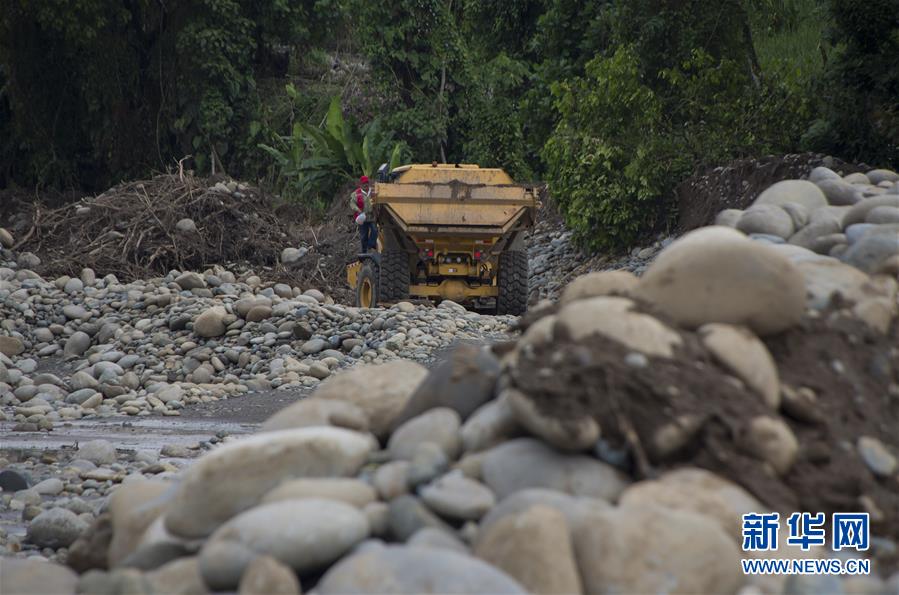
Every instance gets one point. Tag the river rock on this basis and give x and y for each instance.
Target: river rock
(698, 491)
(823, 173)
(527, 463)
(772, 440)
(574, 434)
(314, 411)
(573, 508)
(188, 281)
(802, 192)
(439, 426)
(401, 569)
(11, 346)
(6, 239)
(876, 246)
(350, 491)
(728, 217)
(407, 515)
(33, 576)
(857, 178)
(808, 235)
(134, 506)
(533, 547)
(55, 528)
(455, 496)
(881, 215)
(766, 219)
(613, 318)
(493, 423)
(435, 538)
(742, 353)
(222, 563)
(463, 381)
(838, 192)
(307, 534)
(859, 212)
(178, 577)
(597, 284)
(381, 391)
(825, 278)
(77, 344)
(211, 322)
(267, 576)
(98, 452)
(716, 274)
(882, 175)
(690, 553)
(877, 457)
(243, 471)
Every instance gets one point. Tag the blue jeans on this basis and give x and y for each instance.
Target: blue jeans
(368, 236)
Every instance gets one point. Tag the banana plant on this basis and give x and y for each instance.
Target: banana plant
(316, 160)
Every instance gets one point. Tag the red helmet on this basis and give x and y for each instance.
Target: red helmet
(363, 180)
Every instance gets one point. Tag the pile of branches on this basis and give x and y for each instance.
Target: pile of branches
(131, 229)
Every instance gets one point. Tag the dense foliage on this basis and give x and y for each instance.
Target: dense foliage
(612, 101)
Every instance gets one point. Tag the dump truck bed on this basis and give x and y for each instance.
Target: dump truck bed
(428, 201)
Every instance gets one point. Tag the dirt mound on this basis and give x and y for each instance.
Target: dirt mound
(734, 186)
(852, 371)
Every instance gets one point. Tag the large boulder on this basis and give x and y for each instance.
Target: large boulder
(440, 426)
(839, 192)
(742, 353)
(381, 391)
(766, 219)
(528, 463)
(56, 528)
(613, 318)
(599, 283)
(882, 175)
(698, 491)
(874, 248)
(341, 489)
(313, 411)
(689, 553)
(30, 577)
(533, 547)
(463, 381)
(306, 535)
(859, 212)
(388, 570)
(133, 507)
(211, 323)
(823, 278)
(716, 274)
(798, 191)
(233, 478)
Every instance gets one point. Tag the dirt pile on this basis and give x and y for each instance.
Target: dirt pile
(735, 185)
(850, 369)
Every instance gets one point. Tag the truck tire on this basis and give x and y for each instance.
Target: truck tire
(512, 281)
(394, 282)
(367, 285)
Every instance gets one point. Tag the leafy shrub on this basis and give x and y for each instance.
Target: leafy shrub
(604, 166)
(313, 163)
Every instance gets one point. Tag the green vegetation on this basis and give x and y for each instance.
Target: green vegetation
(313, 163)
(612, 101)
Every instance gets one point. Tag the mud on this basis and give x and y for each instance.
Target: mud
(855, 397)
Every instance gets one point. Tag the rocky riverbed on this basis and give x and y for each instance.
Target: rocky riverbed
(609, 444)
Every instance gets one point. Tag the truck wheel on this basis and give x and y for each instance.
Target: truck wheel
(394, 281)
(367, 286)
(512, 279)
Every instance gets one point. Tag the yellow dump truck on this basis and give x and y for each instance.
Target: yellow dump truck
(448, 231)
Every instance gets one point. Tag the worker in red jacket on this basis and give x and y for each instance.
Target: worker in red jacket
(360, 203)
